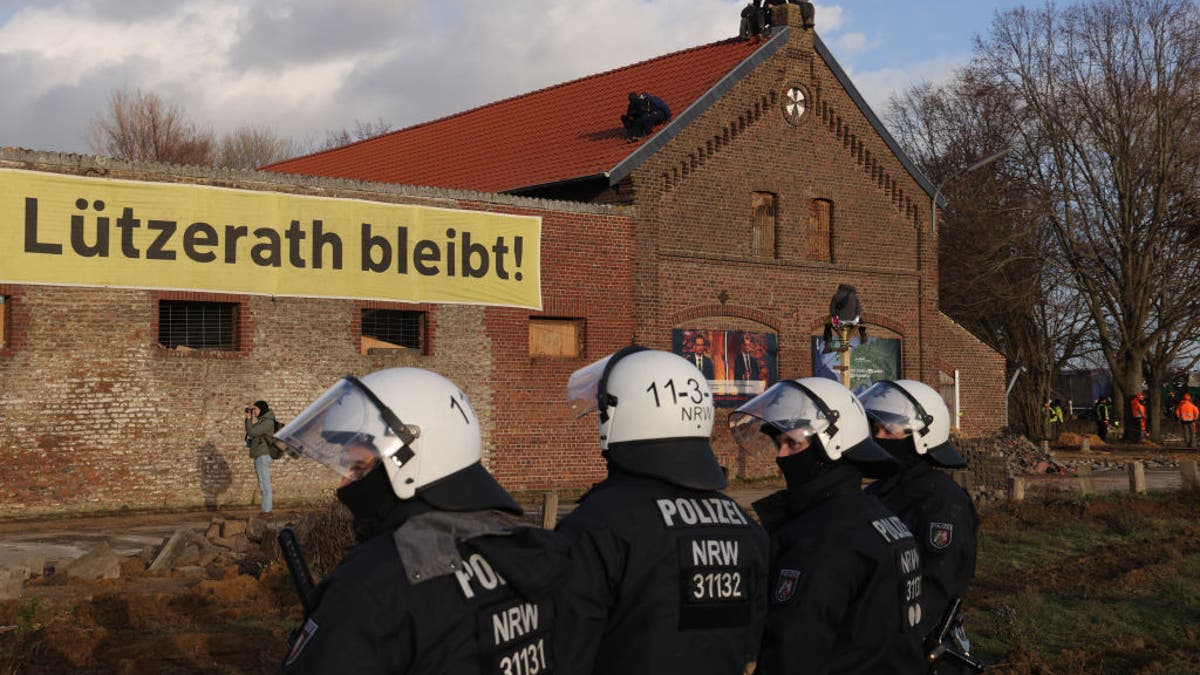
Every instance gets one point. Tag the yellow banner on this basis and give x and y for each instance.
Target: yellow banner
(70, 230)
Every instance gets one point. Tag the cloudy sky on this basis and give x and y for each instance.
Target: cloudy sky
(302, 67)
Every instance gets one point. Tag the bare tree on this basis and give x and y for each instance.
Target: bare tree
(335, 138)
(996, 277)
(142, 126)
(252, 147)
(1109, 93)
(1177, 311)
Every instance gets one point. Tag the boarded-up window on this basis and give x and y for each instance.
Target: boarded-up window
(556, 338)
(197, 325)
(820, 230)
(762, 230)
(392, 329)
(3, 320)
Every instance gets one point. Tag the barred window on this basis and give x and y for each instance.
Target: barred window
(556, 338)
(763, 224)
(197, 325)
(392, 329)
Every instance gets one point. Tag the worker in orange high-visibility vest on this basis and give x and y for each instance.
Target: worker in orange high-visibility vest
(1187, 413)
(1138, 409)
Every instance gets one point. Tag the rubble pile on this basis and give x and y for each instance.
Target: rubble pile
(1006, 455)
(243, 546)
(1102, 463)
(226, 543)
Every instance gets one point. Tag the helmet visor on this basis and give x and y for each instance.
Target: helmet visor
(890, 410)
(785, 411)
(344, 430)
(583, 385)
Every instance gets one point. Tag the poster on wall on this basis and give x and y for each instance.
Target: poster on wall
(877, 360)
(739, 365)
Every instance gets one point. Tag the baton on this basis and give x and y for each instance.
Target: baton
(299, 569)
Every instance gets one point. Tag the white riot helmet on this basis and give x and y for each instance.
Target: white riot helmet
(656, 415)
(416, 422)
(917, 410)
(816, 408)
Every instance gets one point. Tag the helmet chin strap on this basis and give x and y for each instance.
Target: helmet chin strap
(402, 431)
(829, 413)
(605, 400)
(926, 418)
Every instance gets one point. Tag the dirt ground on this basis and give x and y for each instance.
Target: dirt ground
(233, 615)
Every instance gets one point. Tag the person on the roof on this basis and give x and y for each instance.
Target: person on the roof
(632, 112)
(756, 20)
(645, 112)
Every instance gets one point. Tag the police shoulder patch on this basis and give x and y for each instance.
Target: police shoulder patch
(785, 588)
(940, 535)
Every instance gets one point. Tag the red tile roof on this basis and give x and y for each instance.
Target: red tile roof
(570, 130)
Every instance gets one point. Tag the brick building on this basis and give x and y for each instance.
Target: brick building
(773, 183)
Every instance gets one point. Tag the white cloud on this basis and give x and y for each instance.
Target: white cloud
(829, 18)
(68, 47)
(878, 86)
(305, 66)
(302, 67)
(849, 44)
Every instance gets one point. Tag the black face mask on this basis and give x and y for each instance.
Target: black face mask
(371, 500)
(801, 468)
(902, 449)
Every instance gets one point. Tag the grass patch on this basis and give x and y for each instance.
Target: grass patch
(20, 640)
(1103, 585)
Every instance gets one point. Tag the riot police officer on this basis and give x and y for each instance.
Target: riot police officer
(845, 584)
(911, 421)
(670, 571)
(445, 579)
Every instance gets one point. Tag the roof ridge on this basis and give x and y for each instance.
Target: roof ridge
(514, 97)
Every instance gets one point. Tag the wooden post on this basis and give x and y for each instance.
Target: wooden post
(843, 349)
(1087, 484)
(1190, 474)
(1137, 478)
(550, 510)
(1046, 447)
(1085, 445)
(1016, 489)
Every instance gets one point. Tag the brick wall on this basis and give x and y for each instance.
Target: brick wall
(95, 415)
(981, 377)
(590, 278)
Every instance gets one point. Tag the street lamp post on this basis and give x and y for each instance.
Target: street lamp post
(981, 163)
(1008, 392)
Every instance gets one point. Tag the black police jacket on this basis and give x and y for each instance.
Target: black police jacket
(671, 578)
(942, 517)
(845, 593)
(446, 593)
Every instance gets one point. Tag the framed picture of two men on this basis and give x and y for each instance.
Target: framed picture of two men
(738, 364)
